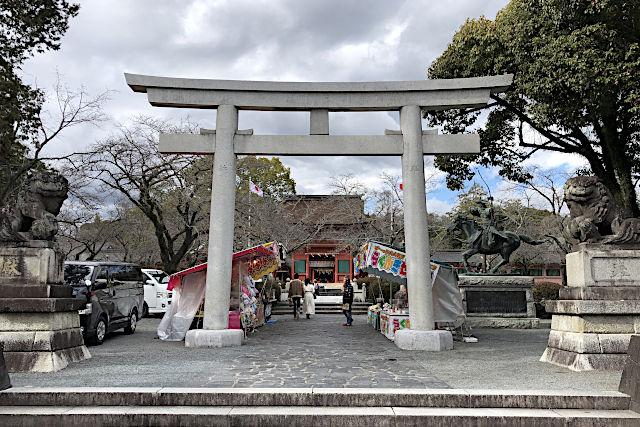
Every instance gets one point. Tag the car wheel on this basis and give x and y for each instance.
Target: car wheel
(145, 310)
(101, 331)
(133, 321)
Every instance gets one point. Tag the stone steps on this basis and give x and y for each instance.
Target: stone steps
(324, 308)
(309, 416)
(27, 406)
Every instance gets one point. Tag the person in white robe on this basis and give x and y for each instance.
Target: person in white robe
(308, 305)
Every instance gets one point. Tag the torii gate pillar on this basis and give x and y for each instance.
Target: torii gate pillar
(320, 98)
(422, 334)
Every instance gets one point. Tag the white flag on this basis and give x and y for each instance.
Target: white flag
(255, 189)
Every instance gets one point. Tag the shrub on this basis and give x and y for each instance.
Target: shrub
(373, 289)
(544, 291)
(273, 285)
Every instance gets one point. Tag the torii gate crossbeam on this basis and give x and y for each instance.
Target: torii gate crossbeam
(411, 142)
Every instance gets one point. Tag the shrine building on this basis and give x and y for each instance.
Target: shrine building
(329, 227)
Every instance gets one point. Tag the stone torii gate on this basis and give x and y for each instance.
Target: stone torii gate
(411, 142)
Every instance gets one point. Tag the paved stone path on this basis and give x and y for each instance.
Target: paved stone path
(320, 352)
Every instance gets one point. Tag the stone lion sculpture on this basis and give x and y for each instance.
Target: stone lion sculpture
(33, 215)
(595, 217)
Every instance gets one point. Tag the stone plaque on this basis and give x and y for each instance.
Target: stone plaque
(496, 302)
(33, 266)
(613, 269)
(10, 267)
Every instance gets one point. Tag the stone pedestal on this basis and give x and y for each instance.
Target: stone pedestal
(39, 321)
(214, 338)
(436, 340)
(498, 301)
(595, 316)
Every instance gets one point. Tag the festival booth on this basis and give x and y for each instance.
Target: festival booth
(246, 309)
(388, 262)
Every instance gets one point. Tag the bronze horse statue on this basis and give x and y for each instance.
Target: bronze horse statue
(479, 240)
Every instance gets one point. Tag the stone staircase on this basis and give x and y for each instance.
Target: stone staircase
(27, 406)
(323, 308)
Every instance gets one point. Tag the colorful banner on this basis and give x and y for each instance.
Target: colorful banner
(384, 258)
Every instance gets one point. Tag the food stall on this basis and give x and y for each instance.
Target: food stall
(246, 309)
(388, 262)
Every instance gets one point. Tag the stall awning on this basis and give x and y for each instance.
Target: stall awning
(387, 261)
(262, 260)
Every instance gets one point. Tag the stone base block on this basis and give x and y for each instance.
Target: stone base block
(214, 338)
(44, 361)
(503, 322)
(624, 307)
(39, 321)
(589, 343)
(630, 380)
(407, 339)
(584, 362)
(40, 305)
(41, 340)
(600, 293)
(596, 324)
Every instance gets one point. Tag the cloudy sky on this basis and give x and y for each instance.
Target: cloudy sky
(285, 40)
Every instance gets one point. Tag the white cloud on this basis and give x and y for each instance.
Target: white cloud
(314, 40)
(438, 206)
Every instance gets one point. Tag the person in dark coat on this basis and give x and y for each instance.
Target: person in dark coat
(347, 300)
(296, 292)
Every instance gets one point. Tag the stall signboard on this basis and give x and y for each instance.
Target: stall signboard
(266, 263)
(373, 318)
(390, 323)
(384, 258)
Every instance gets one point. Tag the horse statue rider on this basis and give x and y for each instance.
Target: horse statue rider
(487, 216)
(487, 239)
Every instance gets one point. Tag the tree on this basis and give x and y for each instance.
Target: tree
(576, 89)
(269, 174)
(256, 218)
(26, 28)
(173, 192)
(543, 191)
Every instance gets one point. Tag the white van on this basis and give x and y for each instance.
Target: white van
(156, 297)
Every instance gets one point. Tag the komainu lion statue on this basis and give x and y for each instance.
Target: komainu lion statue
(33, 215)
(595, 217)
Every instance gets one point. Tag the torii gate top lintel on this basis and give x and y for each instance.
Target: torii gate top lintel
(305, 96)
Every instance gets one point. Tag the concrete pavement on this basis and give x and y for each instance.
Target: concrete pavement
(320, 352)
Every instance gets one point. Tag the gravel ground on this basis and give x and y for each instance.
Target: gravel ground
(321, 352)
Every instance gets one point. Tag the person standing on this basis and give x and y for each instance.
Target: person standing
(296, 292)
(309, 305)
(347, 300)
(316, 287)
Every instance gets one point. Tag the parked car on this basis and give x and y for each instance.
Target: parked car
(156, 297)
(114, 292)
